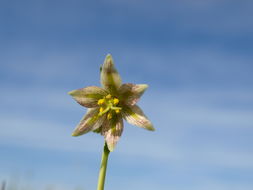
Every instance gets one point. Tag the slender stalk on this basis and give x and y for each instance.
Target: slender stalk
(102, 171)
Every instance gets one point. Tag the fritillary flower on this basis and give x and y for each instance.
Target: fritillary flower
(109, 105)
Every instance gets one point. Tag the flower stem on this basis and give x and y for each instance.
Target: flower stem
(103, 166)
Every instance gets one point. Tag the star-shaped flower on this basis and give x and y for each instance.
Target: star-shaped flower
(107, 106)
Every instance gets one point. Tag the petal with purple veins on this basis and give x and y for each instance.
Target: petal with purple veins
(90, 122)
(135, 116)
(110, 78)
(130, 93)
(88, 96)
(112, 131)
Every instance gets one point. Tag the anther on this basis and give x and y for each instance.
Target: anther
(108, 96)
(109, 116)
(115, 101)
(101, 101)
(117, 111)
(101, 109)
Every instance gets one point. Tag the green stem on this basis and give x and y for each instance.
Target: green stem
(102, 171)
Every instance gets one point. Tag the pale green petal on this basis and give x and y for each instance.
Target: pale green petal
(135, 116)
(91, 121)
(110, 78)
(112, 130)
(88, 96)
(131, 93)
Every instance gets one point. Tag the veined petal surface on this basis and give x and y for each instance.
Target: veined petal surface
(112, 131)
(88, 96)
(109, 77)
(135, 116)
(91, 121)
(130, 93)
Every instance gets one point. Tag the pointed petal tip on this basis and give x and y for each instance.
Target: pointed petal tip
(71, 92)
(108, 59)
(108, 56)
(74, 134)
(151, 128)
(144, 86)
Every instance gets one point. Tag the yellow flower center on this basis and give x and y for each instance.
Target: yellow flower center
(108, 105)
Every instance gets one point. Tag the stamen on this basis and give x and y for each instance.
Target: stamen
(115, 101)
(109, 116)
(117, 111)
(104, 111)
(101, 101)
(108, 96)
(101, 109)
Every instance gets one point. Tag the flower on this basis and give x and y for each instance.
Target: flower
(109, 105)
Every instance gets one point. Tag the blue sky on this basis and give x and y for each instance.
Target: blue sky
(196, 57)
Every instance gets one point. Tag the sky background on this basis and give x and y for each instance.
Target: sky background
(196, 56)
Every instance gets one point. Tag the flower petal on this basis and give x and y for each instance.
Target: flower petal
(130, 93)
(88, 96)
(135, 116)
(110, 78)
(91, 121)
(112, 131)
